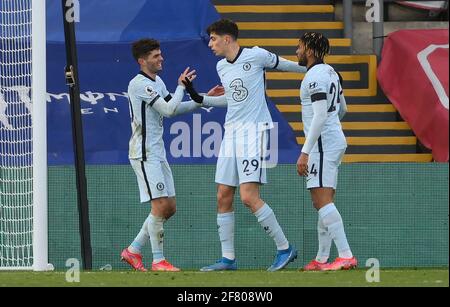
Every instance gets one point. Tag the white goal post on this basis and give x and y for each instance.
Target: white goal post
(23, 136)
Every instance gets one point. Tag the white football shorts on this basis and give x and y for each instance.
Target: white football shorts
(242, 159)
(323, 169)
(154, 178)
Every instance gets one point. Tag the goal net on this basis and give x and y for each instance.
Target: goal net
(23, 158)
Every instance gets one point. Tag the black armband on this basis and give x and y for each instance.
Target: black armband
(168, 97)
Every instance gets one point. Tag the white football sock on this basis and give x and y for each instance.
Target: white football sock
(156, 232)
(332, 221)
(324, 242)
(269, 222)
(141, 239)
(225, 227)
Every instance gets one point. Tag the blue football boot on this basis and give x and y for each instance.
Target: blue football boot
(223, 264)
(283, 258)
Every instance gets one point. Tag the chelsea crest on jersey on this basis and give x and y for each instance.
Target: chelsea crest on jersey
(244, 83)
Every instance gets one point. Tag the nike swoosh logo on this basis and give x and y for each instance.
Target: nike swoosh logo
(308, 179)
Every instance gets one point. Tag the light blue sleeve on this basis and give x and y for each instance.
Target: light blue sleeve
(144, 92)
(215, 101)
(286, 65)
(165, 93)
(265, 58)
(168, 108)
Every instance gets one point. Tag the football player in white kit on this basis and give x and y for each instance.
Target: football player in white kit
(242, 152)
(149, 103)
(323, 106)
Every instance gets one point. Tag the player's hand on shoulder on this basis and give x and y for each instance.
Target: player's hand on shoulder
(217, 90)
(187, 76)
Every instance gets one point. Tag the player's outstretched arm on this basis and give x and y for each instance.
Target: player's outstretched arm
(291, 66)
(209, 101)
(215, 101)
(168, 108)
(215, 97)
(189, 106)
(174, 106)
(185, 107)
(272, 61)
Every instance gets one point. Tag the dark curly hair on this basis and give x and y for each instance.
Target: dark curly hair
(316, 42)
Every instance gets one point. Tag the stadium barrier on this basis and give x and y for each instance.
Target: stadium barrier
(396, 213)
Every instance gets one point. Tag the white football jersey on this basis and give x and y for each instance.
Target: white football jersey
(244, 83)
(146, 141)
(322, 82)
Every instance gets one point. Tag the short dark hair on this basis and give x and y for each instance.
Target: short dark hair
(223, 27)
(143, 47)
(316, 42)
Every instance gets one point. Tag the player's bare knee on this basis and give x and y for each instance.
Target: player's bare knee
(250, 200)
(225, 196)
(321, 197)
(170, 211)
(225, 206)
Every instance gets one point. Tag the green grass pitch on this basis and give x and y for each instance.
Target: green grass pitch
(242, 278)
